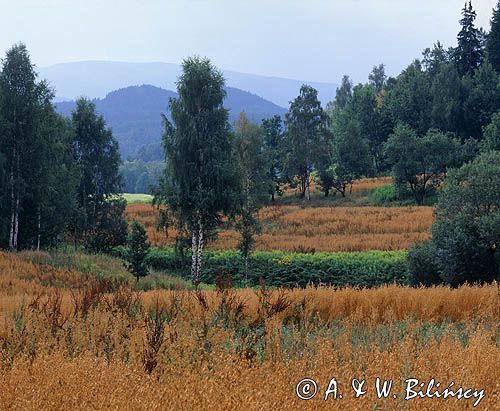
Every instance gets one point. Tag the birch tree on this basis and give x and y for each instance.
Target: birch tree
(199, 185)
(34, 151)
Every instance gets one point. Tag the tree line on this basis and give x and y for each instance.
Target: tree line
(440, 113)
(59, 177)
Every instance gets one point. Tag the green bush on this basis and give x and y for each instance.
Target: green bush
(385, 194)
(422, 264)
(277, 268)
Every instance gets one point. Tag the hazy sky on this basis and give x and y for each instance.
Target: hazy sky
(314, 40)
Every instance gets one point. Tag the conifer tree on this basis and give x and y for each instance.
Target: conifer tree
(493, 42)
(468, 55)
(137, 251)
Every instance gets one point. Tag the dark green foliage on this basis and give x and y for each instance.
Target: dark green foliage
(273, 148)
(139, 176)
(350, 158)
(468, 55)
(276, 268)
(493, 41)
(133, 113)
(200, 183)
(408, 100)
(37, 183)
(137, 251)
(466, 233)
(491, 134)
(422, 264)
(306, 137)
(420, 162)
(98, 159)
(483, 100)
(109, 227)
(343, 95)
(378, 78)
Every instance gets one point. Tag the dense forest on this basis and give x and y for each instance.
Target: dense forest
(437, 121)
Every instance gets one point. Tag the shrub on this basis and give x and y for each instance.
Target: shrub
(384, 194)
(277, 268)
(466, 233)
(422, 265)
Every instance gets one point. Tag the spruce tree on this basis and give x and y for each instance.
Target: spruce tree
(137, 251)
(493, 41)
(468, 55)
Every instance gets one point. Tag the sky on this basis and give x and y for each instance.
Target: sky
(313, 40)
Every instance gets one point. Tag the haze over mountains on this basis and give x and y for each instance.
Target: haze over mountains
(134, 113)
(95, 79)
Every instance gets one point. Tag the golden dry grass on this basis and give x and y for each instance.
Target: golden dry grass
(289, 228)
(85, 347)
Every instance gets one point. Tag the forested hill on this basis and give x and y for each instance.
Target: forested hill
(133, 113)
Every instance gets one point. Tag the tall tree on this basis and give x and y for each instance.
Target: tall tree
(98, 158)
(349, 156)
(273, 149)
(420, 162)
(306, 124)
(34, 146)
(493, 41)
(255, 183)
(343, 94)
(378, 78)
(468, 54)
(200, 184)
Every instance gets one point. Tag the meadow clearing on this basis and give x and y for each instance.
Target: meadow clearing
(341, 225)
(71, 341)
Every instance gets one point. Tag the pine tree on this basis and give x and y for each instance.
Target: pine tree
(493, 41)
(137, 251)
(468, 55)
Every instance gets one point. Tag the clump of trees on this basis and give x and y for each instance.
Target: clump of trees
(57, 176)
(466, 233)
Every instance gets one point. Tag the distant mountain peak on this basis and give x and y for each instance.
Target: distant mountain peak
(134, 112)
(96, 79)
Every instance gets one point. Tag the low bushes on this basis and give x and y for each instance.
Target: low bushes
(277, 268)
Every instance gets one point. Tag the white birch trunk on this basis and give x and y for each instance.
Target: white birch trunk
(39, 229)
(194, 256)
(199, 251)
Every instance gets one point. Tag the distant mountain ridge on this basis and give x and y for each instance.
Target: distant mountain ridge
(134, 113)
(95, 79)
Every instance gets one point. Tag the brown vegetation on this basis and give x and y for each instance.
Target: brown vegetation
(290, 228)
(88, 344)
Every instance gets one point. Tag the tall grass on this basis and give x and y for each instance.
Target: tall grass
(292, 228)
(86, 346)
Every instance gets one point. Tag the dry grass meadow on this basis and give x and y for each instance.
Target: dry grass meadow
(68, 341)
(292, 228)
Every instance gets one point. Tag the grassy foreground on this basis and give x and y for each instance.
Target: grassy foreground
(97, 344)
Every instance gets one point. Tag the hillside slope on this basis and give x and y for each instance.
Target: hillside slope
(134, 113)
(95, 79)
